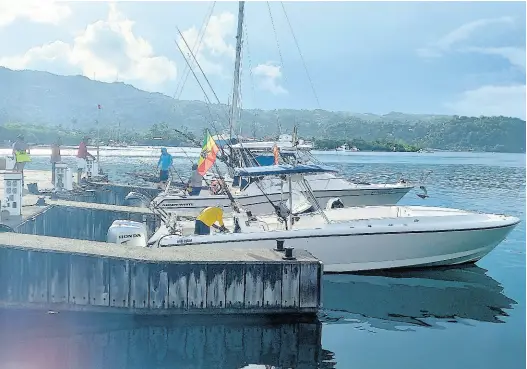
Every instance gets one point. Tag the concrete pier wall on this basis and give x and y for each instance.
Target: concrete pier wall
(105, 344)
(110, 194)
(82, 222)
(72, 275)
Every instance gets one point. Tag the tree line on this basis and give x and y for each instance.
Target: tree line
(399, 133)
(163, 135)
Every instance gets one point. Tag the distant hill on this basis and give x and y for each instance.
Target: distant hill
(45, 99)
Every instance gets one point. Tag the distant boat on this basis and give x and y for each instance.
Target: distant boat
(118, 144)
(346, 148)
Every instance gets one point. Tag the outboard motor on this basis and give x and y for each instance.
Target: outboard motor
(127, 233)
(334, 203)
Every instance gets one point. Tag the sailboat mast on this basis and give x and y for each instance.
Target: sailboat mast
(236, 86)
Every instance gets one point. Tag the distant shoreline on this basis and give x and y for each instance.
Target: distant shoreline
(152, 151)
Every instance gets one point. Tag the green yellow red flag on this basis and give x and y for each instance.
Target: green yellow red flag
(208, 154)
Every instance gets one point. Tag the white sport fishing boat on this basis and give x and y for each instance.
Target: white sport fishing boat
(349, 239)
(325, 186)
(255, 196)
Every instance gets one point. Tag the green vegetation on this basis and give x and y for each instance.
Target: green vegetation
(45, 105)
(157, 135)
(362, 145)
(455, 133)
(162, 135)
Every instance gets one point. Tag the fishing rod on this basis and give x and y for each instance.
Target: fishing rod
(194, 141)
(177, 173)
(189, 159)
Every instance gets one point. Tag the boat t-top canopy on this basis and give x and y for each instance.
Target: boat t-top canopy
(276, 170)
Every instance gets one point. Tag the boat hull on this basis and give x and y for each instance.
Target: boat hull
(360, 249)
(259, 204)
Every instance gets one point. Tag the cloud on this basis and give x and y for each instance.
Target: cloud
(41, 11)
(269, 75)
(491, 100)
(515, 55)
(53, 57)
(460, 34)
(213, 45)
(105, 49)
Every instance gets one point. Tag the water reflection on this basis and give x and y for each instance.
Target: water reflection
(395, 300)
(43, 341)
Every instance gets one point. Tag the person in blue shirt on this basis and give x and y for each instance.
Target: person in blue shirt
(164, 164)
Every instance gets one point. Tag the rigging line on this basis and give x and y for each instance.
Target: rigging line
(301, 56)
(275, 35)
(199, 66)
(215, 165)
(194, 50)
(251, 76)
(240, 96)
(201, 34)
(186, 71)
(207, 80)
(196, 77)
(279, 55)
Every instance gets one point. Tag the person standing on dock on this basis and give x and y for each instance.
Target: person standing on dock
(164, 163)
(207, 218)
(195, 182)
(82, 155)
(21, 155)
(55, 158)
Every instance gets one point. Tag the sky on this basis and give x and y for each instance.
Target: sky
(465, 58)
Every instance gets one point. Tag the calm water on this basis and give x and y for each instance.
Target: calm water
(459, 318)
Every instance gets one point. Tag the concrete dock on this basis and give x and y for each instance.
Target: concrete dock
(110, 194)
(80, 220)
(88, 206)
(57, 260)
(60, 274)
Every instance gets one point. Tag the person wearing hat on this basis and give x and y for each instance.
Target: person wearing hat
(82, 155)
(195, 182)
(164, 163)
(21, 155)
